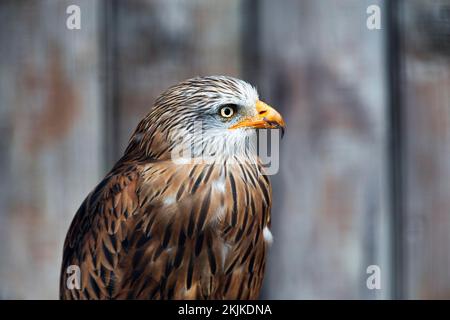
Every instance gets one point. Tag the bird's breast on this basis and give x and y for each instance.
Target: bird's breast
(228, 204)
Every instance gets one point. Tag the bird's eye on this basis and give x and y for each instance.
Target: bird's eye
(227, 111)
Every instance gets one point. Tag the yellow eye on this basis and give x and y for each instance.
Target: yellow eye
(227, 111)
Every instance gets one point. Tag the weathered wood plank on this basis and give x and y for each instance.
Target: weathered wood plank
(425, 29)
(324, 70)
(51, 124)
(162, 42)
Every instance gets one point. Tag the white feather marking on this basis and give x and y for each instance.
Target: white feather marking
(169, 201)
(220, 212)
(267, 235)
(219, 184)
(225, 250)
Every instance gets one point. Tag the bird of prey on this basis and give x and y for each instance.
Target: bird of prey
(165, 227)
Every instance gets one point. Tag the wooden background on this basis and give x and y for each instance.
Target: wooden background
(365, 164)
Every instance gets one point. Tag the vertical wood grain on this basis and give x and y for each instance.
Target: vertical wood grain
(395, 168)
(52, 133)
(160, 43)
(425, 89)
(324, 70)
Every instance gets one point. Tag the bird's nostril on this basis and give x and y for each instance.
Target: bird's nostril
(263, 112)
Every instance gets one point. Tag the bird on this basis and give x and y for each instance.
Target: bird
(185, 213)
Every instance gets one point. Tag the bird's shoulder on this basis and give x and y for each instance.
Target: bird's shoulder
(116, 194)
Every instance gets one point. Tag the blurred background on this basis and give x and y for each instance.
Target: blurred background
(365, 164)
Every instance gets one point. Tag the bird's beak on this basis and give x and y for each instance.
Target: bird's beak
(266, 118)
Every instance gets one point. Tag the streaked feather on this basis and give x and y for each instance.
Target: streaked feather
(154, 229)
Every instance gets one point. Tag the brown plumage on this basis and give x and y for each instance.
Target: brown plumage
(158, 228)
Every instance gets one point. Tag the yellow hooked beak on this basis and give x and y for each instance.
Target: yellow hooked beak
(266, 118)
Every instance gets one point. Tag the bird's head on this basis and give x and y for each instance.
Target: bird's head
(213, 116)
